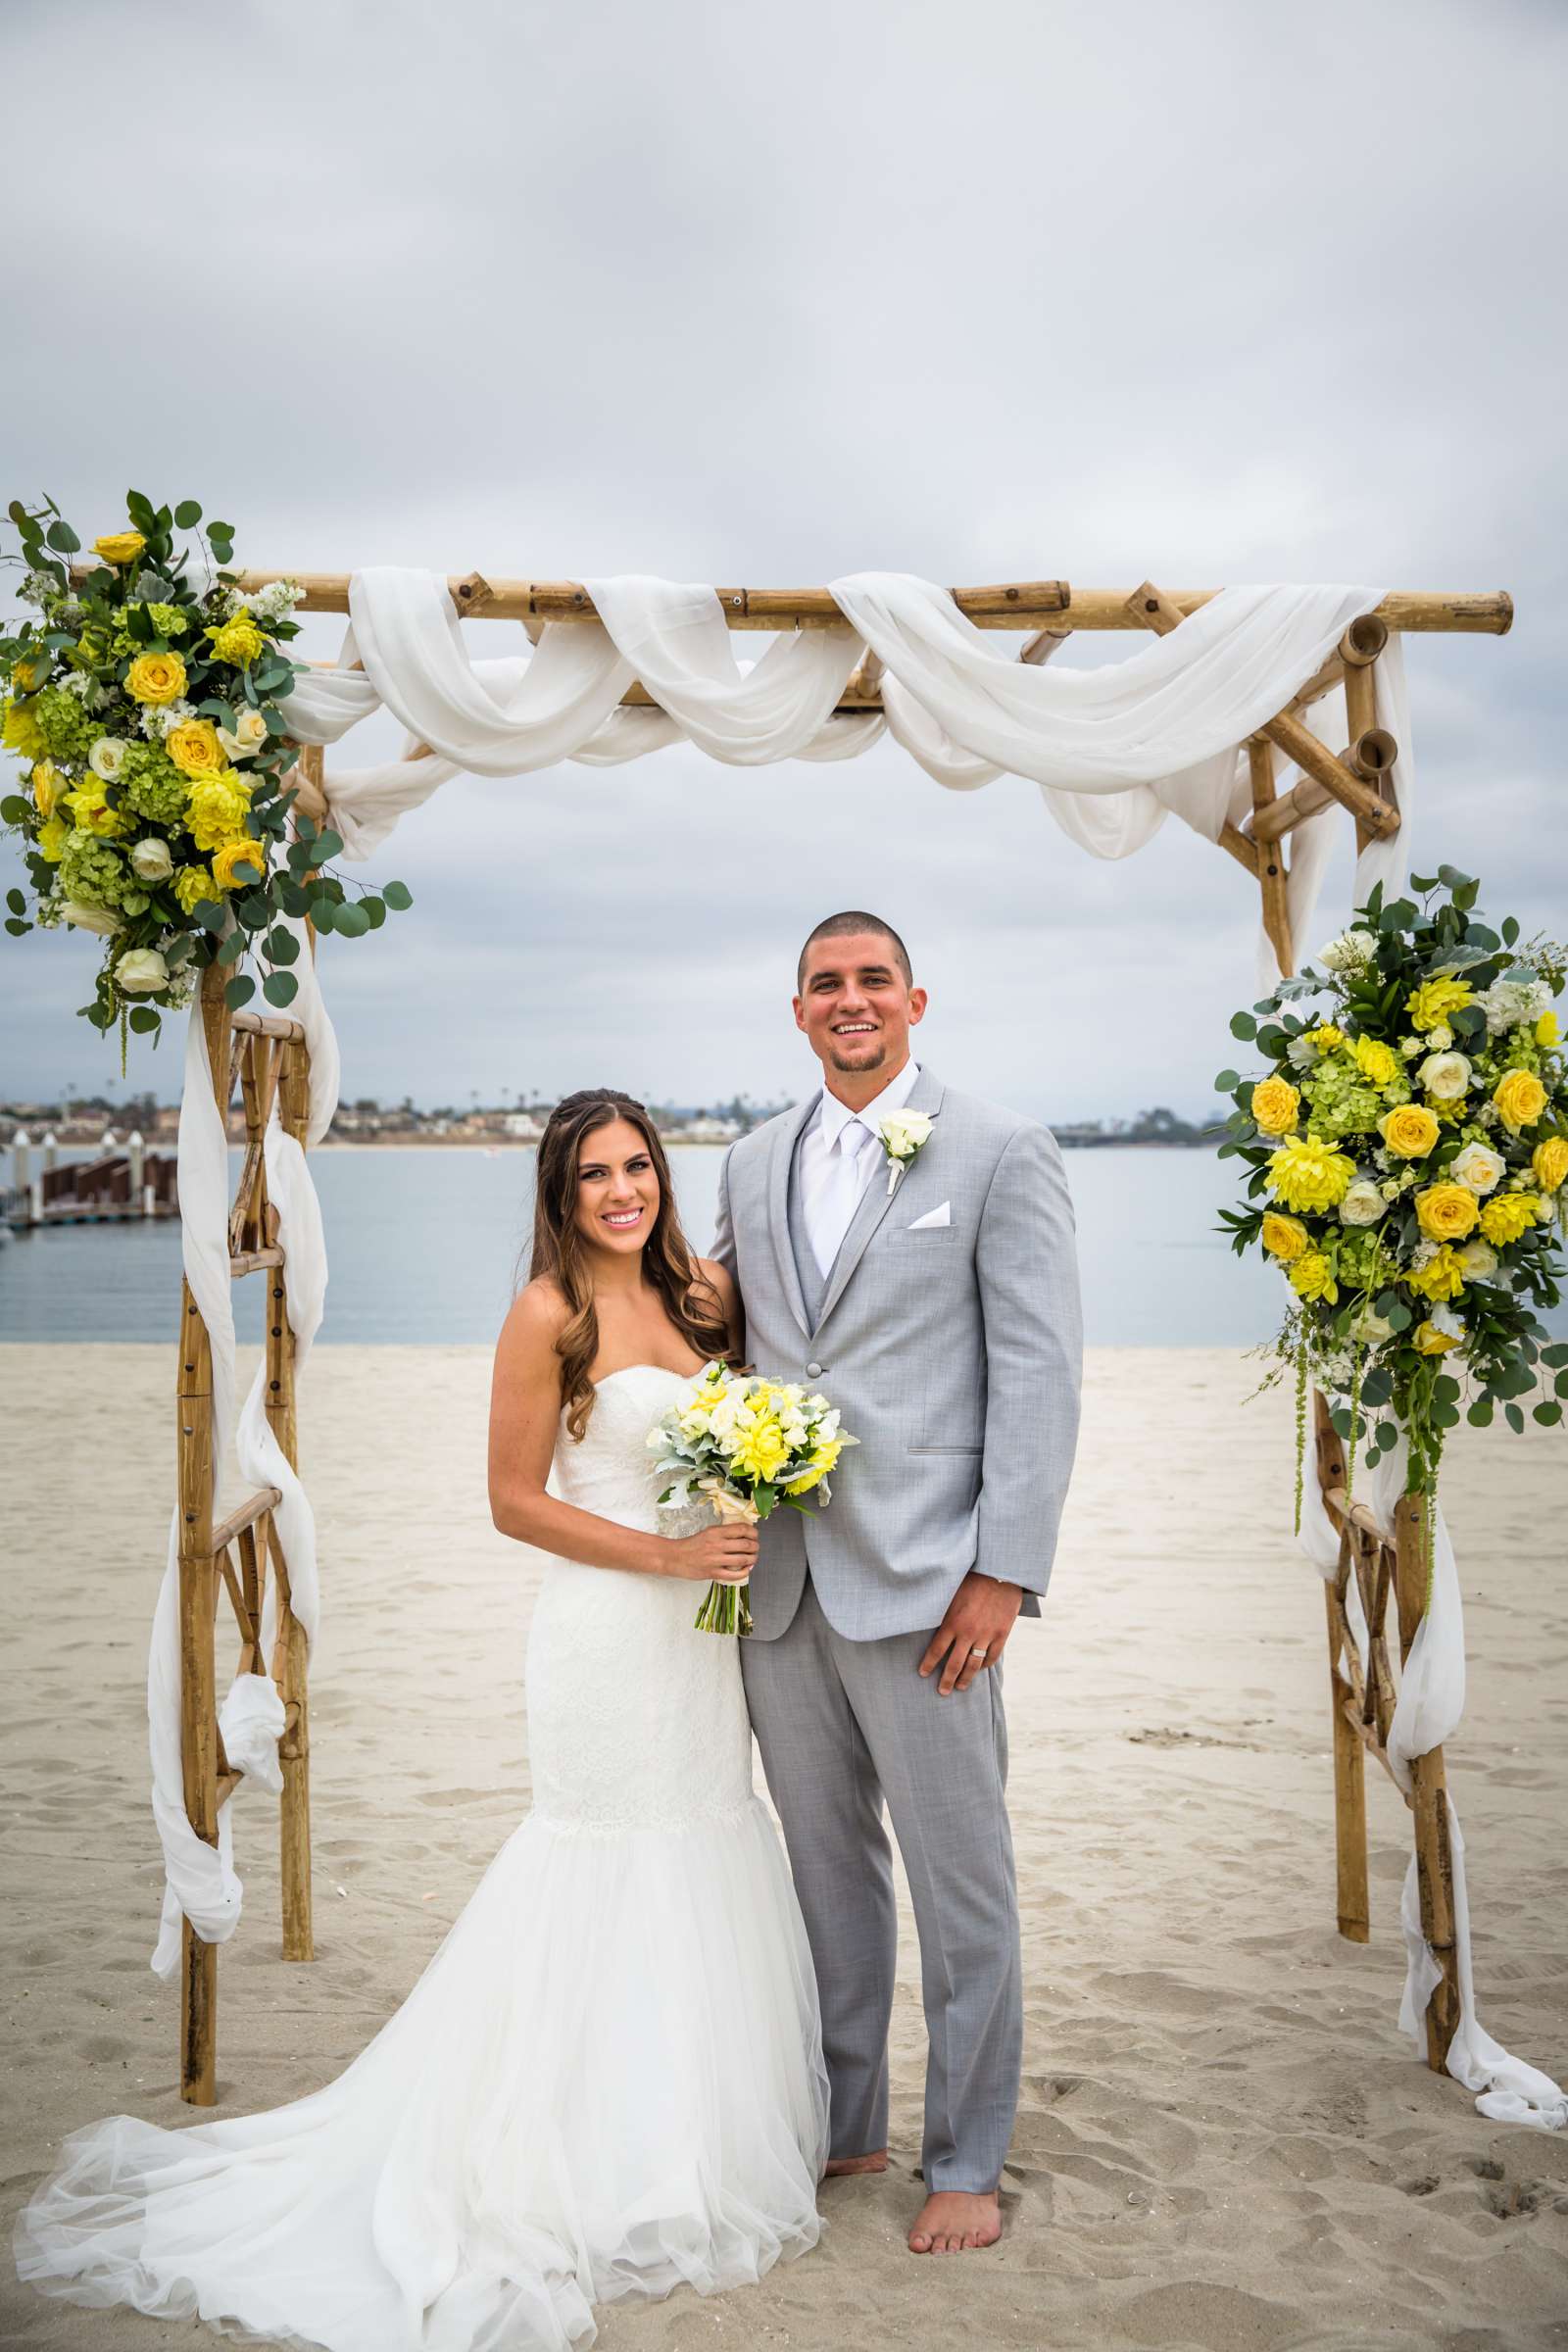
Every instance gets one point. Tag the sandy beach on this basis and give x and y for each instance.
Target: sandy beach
(1224, 2145)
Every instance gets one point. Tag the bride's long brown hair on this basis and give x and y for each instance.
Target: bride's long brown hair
(559, 1255)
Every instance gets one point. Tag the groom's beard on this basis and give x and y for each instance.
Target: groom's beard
(849, 1069)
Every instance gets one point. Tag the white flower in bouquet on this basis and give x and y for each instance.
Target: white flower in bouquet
(150, 859)
(1363, 1203)
(107, 759)
(1350, 953)
(246, 737)
(1371, 1328)
(141, 971)
(1411, 1047)
(1478, 1168)
(1507, 1004)
(1478, 1262)
(1441, 1038)
(1445, 1076)
(90, 918)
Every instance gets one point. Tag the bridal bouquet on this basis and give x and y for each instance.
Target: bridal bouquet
(145, 709)
(1408, 1148)
(748, 1445)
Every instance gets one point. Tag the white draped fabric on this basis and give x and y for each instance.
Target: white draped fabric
(1113, 750)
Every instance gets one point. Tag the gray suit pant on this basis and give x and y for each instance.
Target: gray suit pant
(841, 1725)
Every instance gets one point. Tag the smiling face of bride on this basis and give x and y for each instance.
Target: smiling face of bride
(619, 1189)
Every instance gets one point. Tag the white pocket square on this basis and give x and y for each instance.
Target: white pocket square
(933, 1217)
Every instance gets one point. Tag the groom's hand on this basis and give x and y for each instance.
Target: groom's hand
(980, 1616)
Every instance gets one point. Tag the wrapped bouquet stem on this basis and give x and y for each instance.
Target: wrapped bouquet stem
(745, 1445)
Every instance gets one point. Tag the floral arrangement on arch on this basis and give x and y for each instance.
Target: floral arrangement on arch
(1408, 1148)
(146, 715)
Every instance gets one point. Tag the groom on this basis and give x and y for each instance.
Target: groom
(942, 1316)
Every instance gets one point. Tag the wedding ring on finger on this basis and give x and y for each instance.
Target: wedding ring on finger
(981, 1654)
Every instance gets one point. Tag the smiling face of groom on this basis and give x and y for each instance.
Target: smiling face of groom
(857, 1004)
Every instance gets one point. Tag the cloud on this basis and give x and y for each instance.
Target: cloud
(1218, 293)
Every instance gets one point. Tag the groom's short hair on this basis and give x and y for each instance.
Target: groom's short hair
(844, 926)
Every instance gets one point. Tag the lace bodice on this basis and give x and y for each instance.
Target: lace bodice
(635, 1719)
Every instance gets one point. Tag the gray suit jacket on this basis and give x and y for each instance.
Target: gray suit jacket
(954, 1354)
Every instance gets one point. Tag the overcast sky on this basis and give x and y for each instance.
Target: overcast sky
(1210, 293)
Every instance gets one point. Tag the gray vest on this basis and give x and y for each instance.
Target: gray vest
(814, 1282)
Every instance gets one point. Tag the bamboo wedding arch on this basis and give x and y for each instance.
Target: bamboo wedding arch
(266, 1055)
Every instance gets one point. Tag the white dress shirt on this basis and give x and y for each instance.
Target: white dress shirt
(838, 1156)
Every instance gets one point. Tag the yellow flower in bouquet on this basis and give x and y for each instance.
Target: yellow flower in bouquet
(192, 884)
(194, 747)
(1409, 1130)
(823, 1459)
(1429, 1005)
(216, 811)
(48, 786)
(1431, 1338)
(1284, 1238)
(53, 836)
(1326, 1036)
(1276, 1106)
(92, 812)
(1548, 1163)
(1441, 1277)
(120, 547)
(156, 678)
(1309, 1176)
(1377, 1062)
(21, 734)
(1508, 1216)
(1520, 1098)
(1547, 1033)
(239, 641)
(1445, 1212)
(1312, 1276)
(230, 856)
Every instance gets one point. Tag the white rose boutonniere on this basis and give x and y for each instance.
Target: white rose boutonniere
(901, 1134)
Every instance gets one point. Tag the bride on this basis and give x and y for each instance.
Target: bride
(609, 2079)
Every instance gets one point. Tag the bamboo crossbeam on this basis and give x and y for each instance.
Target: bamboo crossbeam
(269, 1024)
(245, 1514)
(1015, 605)
(252, 1261)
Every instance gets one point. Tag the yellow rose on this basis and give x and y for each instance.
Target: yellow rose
(1310, 1176)
(1284, 1238)
(194, 747)
(1548, 1032)
(93, 814)
(1441, 1277)
(232, 855)
(1430, 1341)
(1276, 1106)
(47, 786)
(1445, 1212)
(1409, 1130)
(122, 547)
(1312, 1276)
(216, 809)
(239, 641)
(156, 678)
(1510, 1214)
(21, 734)
(1520, 1098)
(52, 839)
(1326, 1037)
(1431, 1004)
(193, 883)
(1548, 1163)
(1375, 1060)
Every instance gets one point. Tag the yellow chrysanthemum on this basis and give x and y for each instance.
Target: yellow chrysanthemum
(1312, 1276)
(1548, 1163)
(194, 747)
(1428, 1339)
(120, 547)
(1409, 1130)
(1441, 1277)
(1326, 1037)
(823, 1457)
(1520, 1098)
(156, 678)
(92, 812)
(52, 839)
(1276, 1106)
(48, 784)
(192, 884)
(1376, 1061)
(216, 811)
(1309, 1176)
(1431, 1004)
(1445, 1212)
(1510, 1214)
(1284, 1238)
(230, 856)
(239, 641)
(762, 1451)
(21, 734)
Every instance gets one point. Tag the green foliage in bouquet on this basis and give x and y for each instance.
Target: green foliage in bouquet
(1407, 1150)
(146, 715)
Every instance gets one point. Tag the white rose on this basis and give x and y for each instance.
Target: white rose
(107, 757)
(1441, 1038)
(1445, 1076)
(1371, 1328)
(1350, 951)
(141, 972)
(1389, 1187)
(90, 918)
(1478, 1168)
(903, 1132)
(1363, 1203)
(150, 859)
(247, 737)
(1478, 1262)
(1411, 1047)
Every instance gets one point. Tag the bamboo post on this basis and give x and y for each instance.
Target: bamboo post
(198, 1691)
(1350, 1766)
(1271, 871)
(1429, 1799)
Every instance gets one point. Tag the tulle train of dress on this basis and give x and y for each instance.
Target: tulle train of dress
(609, 2079)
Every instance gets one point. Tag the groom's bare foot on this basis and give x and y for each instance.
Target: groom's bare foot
(875, 2162)
(955, 2221)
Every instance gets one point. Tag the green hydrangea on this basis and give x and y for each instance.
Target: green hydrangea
(68, 732)
(1343, 1103)
(167, 619)
(151, 786)
(1519, 1051)
(1358, 1255)
(94, 871)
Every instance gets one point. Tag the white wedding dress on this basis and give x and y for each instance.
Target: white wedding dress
(609, 2081)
